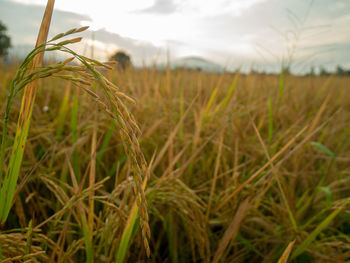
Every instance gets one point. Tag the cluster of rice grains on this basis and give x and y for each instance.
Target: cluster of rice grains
(107, 95)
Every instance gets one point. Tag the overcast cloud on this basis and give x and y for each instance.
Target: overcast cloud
(161, 7)
(233, 33)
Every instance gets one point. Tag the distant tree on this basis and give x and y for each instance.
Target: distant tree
(286, 70)
(5, 41)
(312, 71)
(342, 72)
(324, 72)
(123, 59)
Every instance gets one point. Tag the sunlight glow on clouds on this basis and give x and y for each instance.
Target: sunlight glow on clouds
(240, 31)
(213, 8)
(158, 21)
(142, 19)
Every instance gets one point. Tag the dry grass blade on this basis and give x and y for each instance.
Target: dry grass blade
(319, 114)
(286, 253)
(258, 172)
(28, 256)
(232, 231)
(216, 171)
(275, 173)
(171, 136)
(92, 175)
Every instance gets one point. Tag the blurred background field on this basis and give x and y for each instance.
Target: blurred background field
(241, 166)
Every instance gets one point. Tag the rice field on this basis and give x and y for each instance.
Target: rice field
(145, 165)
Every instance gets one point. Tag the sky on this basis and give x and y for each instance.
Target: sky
(258, 34)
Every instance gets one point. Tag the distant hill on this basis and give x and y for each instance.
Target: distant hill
(197, 63)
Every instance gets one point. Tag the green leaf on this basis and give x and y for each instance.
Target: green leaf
(88, 245)
(248, 245)
(126, 237)
(303, 246)
(323, 148)
(327, 191)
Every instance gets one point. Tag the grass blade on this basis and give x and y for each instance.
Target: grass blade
(88, 245)
(303, 246)
(128, 230)
(270, 119)
(281, 85)
(323, 148)
(29, 238)
(216, 171)
(75, 135)
(213, 96)
(92, 175)
(232, 231)
(63, 112)
(286, 253)
(248, 245)
(104, 145)
(230, 91)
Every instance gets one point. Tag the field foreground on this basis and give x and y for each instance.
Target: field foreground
(244, 168)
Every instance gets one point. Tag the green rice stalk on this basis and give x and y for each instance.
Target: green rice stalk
(230, 91)
(213, 96)
(29, 238)
(104, 146)
(172, 238)
(63, 112)
(248, 245)
(128, 230)
(75, 134)
(88, 245)
(312, 236)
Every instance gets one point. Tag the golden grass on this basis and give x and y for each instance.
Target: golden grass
(200, 175)
(242, 168)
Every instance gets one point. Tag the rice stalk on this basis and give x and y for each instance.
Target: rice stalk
(8, 183)
(111, 102)
(286, 253)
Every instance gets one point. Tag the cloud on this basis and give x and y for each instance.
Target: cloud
(199, 8)
(238, 30)
(23, 21)
(322, 38)
(163, 7)
(108, 43)
(23, 25)
(219, 7)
